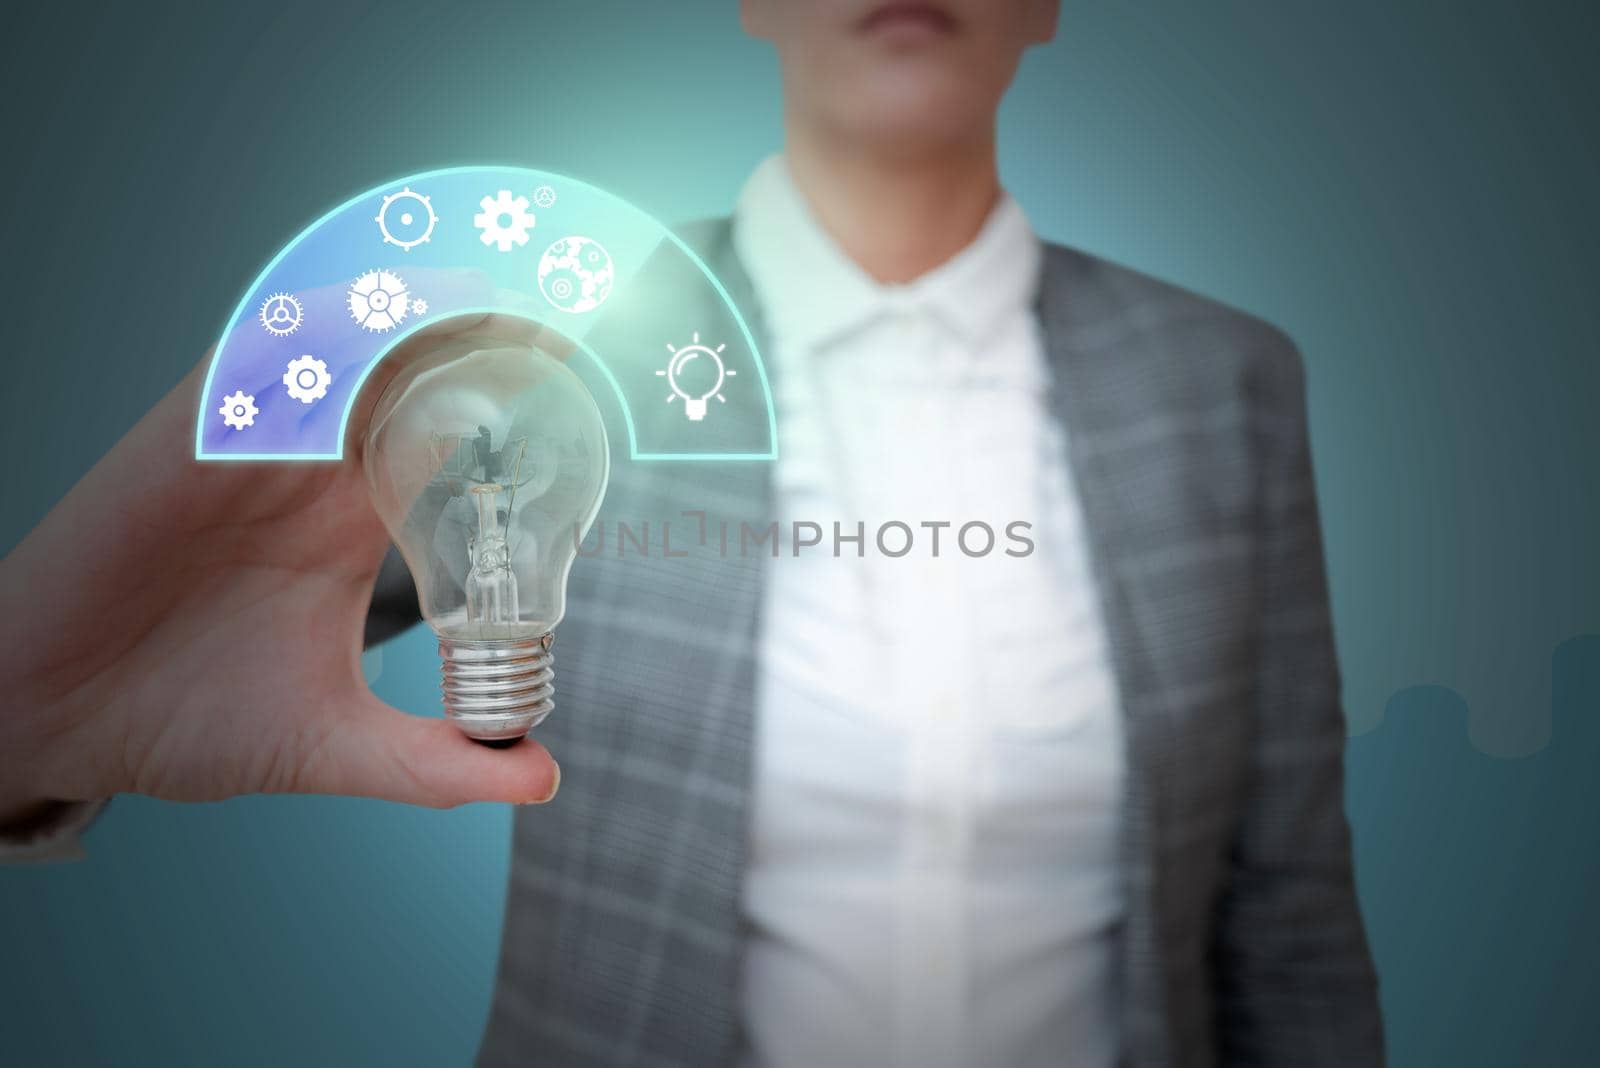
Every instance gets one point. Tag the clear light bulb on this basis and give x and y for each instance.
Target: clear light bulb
(487, 466)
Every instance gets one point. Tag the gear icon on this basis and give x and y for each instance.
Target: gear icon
(239, 410)
(307, 379)
(575, 274)
(379, 301)
(563, 287)
(281, 314)
(420, 307)
(505, 220)
(544, 196)
(406, 219)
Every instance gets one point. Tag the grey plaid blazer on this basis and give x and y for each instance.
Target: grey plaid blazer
(1243, 943)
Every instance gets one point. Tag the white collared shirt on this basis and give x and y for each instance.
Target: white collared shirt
(933, 875)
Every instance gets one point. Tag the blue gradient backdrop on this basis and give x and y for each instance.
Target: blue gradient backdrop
(1409, 189)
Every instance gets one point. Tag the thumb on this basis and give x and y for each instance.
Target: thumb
(382, 752)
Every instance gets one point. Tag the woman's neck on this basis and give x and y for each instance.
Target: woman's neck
(898, 215)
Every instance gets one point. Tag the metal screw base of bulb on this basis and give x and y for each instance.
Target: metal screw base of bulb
(497, 691)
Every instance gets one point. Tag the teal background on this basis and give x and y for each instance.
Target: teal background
(1408, 189)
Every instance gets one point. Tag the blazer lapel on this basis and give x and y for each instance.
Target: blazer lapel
(1092, 395)
(622, 932)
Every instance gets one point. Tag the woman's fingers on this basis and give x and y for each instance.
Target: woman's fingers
(385, 753)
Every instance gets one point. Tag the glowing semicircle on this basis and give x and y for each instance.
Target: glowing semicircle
(635, 299)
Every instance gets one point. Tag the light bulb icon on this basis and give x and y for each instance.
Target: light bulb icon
(487, 467)
(696, 374)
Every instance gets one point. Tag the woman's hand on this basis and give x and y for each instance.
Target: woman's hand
(193, 631)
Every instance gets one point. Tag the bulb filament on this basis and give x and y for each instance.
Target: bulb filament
(491, 585)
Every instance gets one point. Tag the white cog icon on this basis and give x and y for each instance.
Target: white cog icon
(406, 219)
(239, 410)
(419, 307)
(575, 274)
(281, 314)
(505, 220)
(544, 196)
(307, 379)
(379, 301)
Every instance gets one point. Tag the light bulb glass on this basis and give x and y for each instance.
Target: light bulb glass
(487, 466)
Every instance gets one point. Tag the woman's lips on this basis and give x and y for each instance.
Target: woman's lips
(908, 20)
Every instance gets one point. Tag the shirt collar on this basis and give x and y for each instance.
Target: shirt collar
(812, 293)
